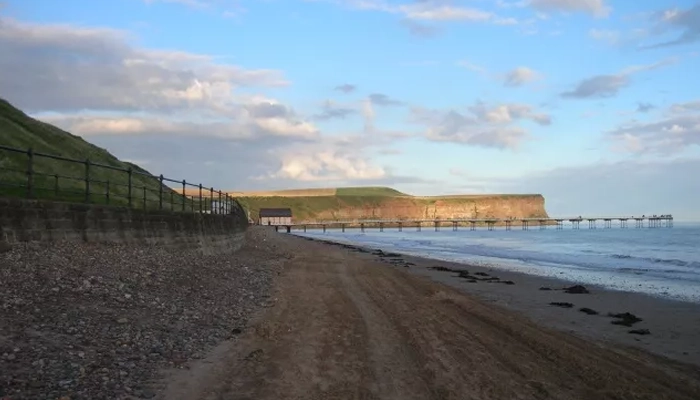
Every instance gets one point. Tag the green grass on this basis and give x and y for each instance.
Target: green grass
(66, 181)
(372, 191)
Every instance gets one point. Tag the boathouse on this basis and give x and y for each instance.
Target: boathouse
(275, 216)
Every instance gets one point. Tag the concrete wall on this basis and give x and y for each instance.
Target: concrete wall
(38, 220)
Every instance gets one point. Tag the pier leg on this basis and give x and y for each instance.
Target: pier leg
(525, 225)
(362, 228)
(436, 227)
(454, 226)
(490, 224)
(400, 227)
(508, 223)
(473, 227)
(543, 225)
(324, 229)
(304, 228)
(381, 227)
(418, 227)
(342, 228)
(289, 229)
(560, 224)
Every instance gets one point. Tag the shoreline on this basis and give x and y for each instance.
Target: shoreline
(673, 326)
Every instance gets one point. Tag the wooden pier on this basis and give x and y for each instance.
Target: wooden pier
(653, 221)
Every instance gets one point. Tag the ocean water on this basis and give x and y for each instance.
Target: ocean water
(658, 261)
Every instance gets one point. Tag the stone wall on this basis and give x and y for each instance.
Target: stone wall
(23, 220)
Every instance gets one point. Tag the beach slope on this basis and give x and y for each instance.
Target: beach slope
(345, 325)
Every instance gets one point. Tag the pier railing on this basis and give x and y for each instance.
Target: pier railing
(650, 221)
(35, 175)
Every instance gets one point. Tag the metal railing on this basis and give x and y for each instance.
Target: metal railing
(23, 174)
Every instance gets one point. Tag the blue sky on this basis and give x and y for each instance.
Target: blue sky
(593, 103)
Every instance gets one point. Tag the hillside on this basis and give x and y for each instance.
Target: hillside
(17, 130)
(387, 203)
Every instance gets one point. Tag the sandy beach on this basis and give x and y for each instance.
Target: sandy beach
(350, 323)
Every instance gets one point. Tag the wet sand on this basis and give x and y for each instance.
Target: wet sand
(674, 326)
(349, 324)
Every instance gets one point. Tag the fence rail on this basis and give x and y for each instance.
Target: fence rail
(34, 175)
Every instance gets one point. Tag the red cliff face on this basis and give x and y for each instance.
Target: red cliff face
(497, 206)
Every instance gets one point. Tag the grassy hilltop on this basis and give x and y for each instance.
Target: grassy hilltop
(20, 131)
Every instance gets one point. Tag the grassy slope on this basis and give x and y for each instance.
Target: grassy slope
(20, 131)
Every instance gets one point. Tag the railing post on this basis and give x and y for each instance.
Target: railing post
(131, 174)
(30, 173)
(160, 194)
(184, 196)
(87, 180)
(107, 192)
(55, 187)
(211, 200)
(172, 200)
(218, 205)
(200, 198)
(144, 197)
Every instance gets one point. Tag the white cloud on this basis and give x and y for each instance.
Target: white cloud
(597, 8)
(601, 86)
(480, 125)
(520, 76)
(93, 68)
(426, 10)
(328, 165)
(685, 23)
(94, 82)
(472, 67)
(678, 129)
(611, 37)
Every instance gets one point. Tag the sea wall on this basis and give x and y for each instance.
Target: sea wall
(23, 220)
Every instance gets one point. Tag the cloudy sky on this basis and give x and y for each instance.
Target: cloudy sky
(593, 103)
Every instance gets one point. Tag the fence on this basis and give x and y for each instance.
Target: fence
(26, 173)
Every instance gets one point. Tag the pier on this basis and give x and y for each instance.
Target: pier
(653, 221)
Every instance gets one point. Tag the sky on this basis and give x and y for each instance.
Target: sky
(593, 103)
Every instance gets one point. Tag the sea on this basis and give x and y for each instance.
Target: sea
(660, 261)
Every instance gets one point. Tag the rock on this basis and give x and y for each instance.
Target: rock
(588, 311)
(576, 289)
(640, 332)
(625, 319)
(561, 304)
(122, 320)
(545, 288)
(5, 247)
(441, 268)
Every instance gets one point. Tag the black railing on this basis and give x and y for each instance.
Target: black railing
(34, 175)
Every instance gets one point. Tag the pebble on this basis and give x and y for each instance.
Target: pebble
(102, 321)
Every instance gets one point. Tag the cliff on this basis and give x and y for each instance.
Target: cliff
(389, 204)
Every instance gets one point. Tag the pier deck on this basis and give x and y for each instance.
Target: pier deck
(652, 221)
